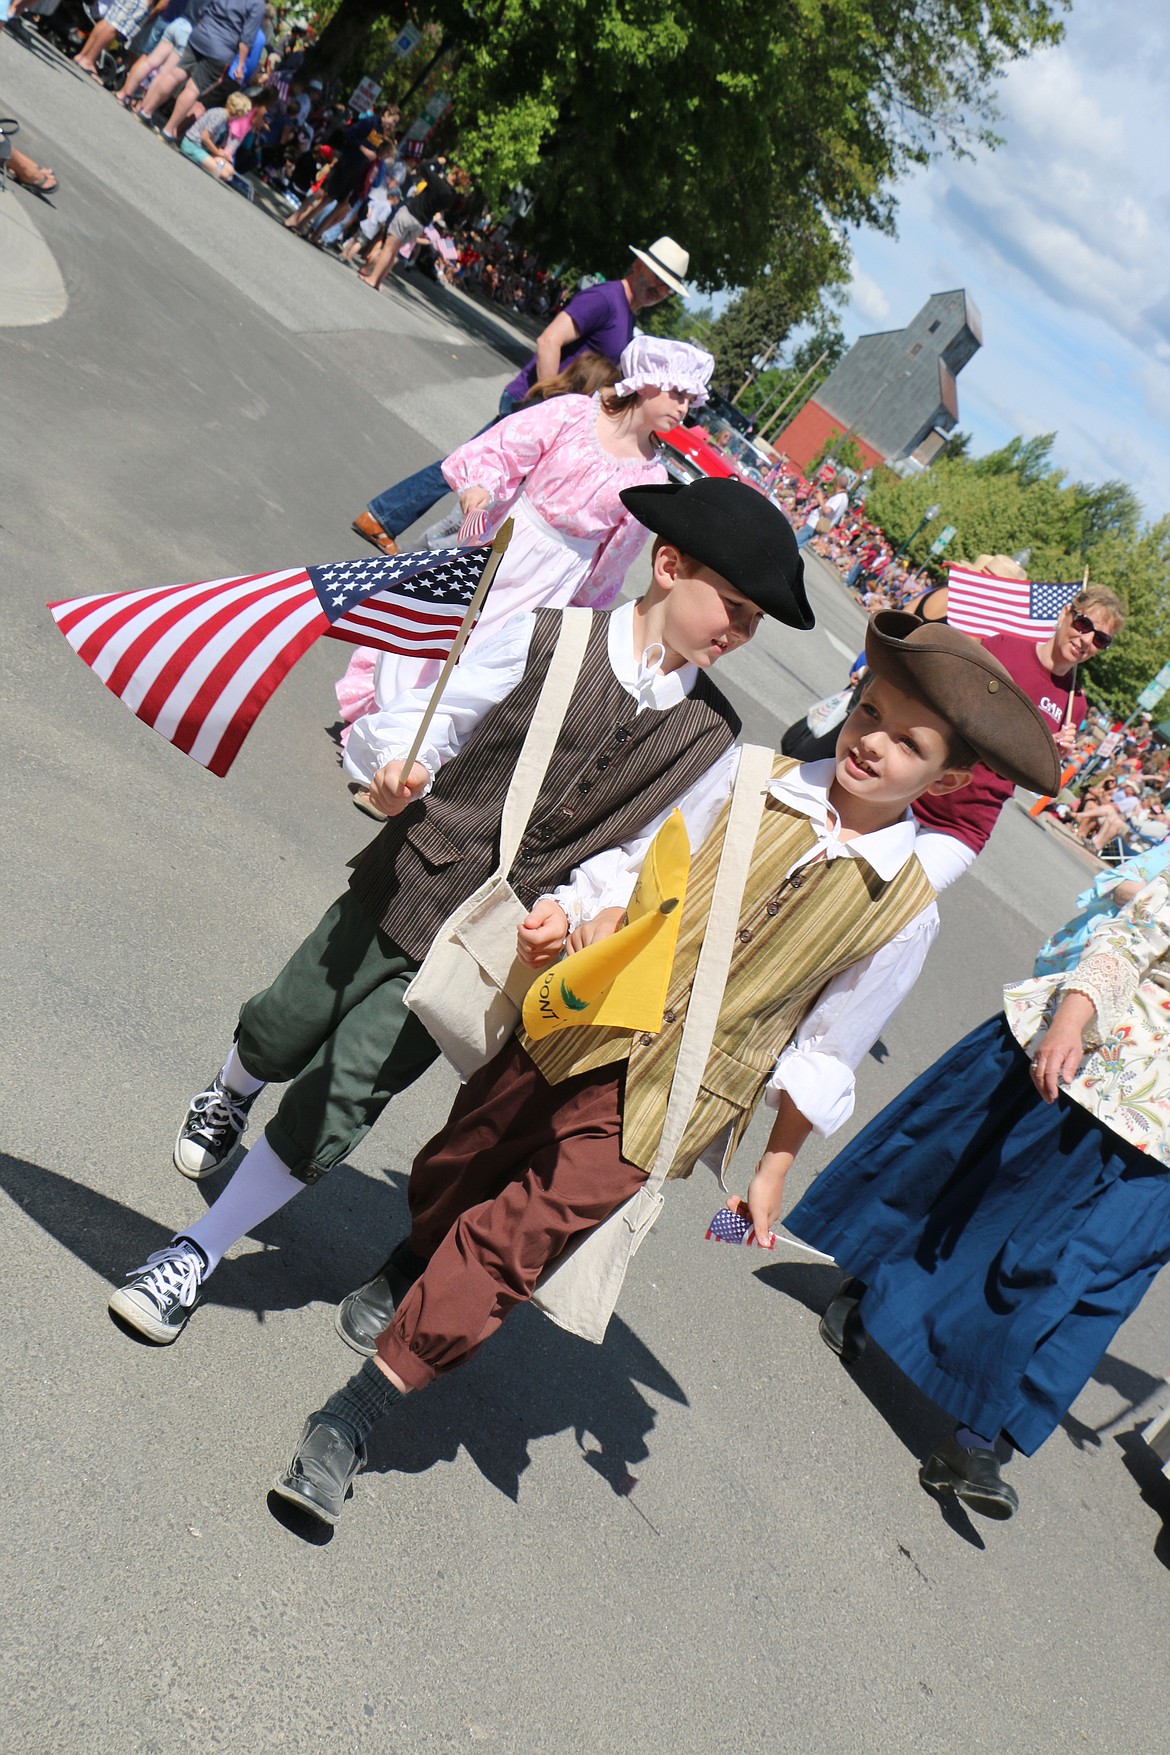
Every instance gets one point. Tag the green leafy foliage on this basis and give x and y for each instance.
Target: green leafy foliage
(751, 130)
(844, 452)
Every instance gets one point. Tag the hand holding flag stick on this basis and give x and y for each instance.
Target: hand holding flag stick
(1072, 687)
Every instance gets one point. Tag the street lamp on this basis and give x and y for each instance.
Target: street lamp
(930, 513)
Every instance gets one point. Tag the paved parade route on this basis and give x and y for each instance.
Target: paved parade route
(706, 1535)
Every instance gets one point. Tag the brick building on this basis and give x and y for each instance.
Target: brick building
(894, 393)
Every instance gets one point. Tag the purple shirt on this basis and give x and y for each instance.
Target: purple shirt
(603, 315)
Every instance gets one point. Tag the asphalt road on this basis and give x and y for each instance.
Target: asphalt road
(705, 1535)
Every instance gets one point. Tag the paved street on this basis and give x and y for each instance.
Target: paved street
(704, 1536)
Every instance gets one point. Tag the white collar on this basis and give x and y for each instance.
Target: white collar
(806, 789)
(642, 677)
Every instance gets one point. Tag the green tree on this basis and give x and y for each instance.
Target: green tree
(843, 451)
(790, 292)
(752, 130)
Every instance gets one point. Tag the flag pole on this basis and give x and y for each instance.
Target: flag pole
(499, 543)
(1072, 687)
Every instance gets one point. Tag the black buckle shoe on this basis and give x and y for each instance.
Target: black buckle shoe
(841, 1327)
(320, 1475)
(362, 1316)
(970, 1475)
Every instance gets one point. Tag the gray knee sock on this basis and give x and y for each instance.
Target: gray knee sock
(357, 1407)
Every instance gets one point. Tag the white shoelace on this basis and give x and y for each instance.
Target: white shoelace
(219, 1108)
(176, 1271)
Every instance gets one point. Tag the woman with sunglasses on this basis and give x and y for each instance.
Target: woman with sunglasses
(1047, 672)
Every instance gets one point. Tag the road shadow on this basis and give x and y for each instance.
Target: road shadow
(1134, 1385)
(1145, 1470)
(307, 1257)
(533, 1381)
(916, 1421)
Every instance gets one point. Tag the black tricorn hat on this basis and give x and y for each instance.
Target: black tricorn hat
(737, 532)
(960, 681)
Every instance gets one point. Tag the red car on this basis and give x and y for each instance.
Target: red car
(689, 455)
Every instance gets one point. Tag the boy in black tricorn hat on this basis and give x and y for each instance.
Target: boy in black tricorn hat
(806, 918)
(644, 730)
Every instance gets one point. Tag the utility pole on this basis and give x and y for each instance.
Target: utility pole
(753, 375)
(772, 424)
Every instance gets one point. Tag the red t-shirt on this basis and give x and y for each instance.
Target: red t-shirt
(971, 813)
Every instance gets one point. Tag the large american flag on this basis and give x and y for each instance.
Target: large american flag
(198, 662)
(982, 603)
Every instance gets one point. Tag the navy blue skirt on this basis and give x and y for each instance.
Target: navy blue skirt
(1003, 1240)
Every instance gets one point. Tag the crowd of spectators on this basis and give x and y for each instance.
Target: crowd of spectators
(1116, 802)
(223, 81)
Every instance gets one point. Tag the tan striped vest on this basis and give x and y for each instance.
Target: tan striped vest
(794, 935)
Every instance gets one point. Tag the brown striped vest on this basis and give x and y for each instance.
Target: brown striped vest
(611, 771)
(794, 935)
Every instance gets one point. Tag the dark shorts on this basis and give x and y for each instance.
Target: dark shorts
(344, 181)
(206, 73)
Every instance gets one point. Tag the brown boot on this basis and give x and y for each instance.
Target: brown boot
(367, 525)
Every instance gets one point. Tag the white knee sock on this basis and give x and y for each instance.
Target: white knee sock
(236, 1077)
(259, 1188)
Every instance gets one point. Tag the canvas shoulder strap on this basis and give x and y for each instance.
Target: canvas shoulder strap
(544, 729)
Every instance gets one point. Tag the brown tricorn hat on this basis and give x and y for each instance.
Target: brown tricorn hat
(958, 679)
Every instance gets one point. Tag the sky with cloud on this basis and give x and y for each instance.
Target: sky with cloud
(1062, 238)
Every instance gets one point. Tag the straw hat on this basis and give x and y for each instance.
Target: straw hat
(669, 261)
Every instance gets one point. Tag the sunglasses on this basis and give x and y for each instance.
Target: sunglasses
(1083, 625)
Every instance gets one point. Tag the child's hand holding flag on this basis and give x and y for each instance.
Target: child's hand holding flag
(621, 980)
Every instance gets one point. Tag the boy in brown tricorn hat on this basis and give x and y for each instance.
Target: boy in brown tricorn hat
(806, 918)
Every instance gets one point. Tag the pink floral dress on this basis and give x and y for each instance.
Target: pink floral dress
(573, 541)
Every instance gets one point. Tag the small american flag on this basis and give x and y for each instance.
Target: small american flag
(731, 1226)
(982, 603)
(472, 528)
(197, 662)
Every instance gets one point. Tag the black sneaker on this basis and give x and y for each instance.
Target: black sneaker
(160, 1296)
(211, 1130)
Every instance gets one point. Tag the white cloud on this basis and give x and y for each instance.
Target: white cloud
(867, 297)
(1062, 237)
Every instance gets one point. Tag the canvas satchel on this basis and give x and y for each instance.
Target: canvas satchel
(471, 985)
(580, 1290)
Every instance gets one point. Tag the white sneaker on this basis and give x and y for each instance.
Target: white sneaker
(211, 1130)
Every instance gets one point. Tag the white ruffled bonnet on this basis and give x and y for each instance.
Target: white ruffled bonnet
(651, 361)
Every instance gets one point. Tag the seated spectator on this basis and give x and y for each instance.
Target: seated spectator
(209, 140)
(1099, 824)
(249, 131)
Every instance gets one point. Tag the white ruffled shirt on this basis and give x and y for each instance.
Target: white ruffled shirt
(817, 1067)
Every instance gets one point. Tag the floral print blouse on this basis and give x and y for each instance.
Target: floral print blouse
(1124, 1079)
(552, 454)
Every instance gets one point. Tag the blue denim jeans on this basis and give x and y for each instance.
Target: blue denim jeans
(398, 506)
